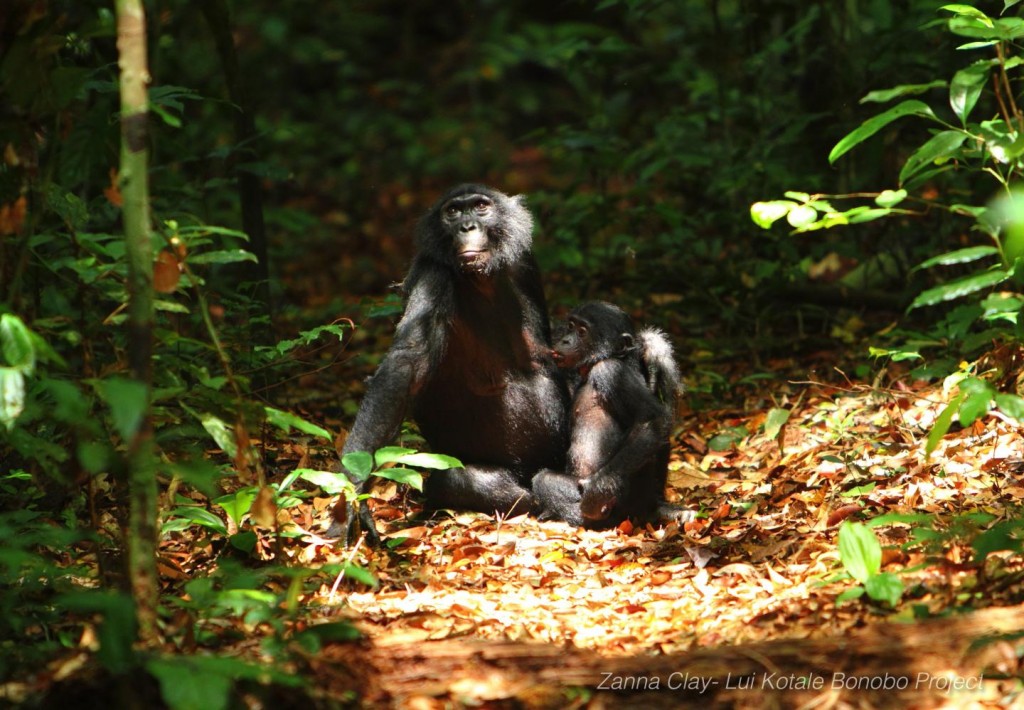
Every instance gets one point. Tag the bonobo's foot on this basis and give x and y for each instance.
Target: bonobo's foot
(557, 497)
(485, 490)
(346, 520)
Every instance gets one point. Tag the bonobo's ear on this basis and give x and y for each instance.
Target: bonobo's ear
(519, 200)
(625, 341)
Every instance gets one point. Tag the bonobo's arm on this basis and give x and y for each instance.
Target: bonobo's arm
(418, 344)
(645, 420)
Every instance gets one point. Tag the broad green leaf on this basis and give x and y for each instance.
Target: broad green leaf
(428, 460)
(286, 420)
(226, 256)
(332, 483)
(941, 145)
(870, 127)
(402, 475)
(765, 214)
(883, 95)
(859, 551)
(221, 432)
(186, 685)
(12, 396)
(195, 516)
(942, 424)
(1003, 142)
(801, 216)
(884, 587)
(962, 10)
(859, 215)
(1011, 405)
(974, 407)
(966, 87)
(359, 464)
(16, 344)
(959, 288)
(390, 454)
(237, 504)
(1001, 536)
(361, 575)
(128, 401)
(890, 198)
(1005, 29)
(850, 594)
(774, 422)
(960, 256)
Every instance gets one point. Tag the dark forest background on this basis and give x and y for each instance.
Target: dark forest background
(292, 148)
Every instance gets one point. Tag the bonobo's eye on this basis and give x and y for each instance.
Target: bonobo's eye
(482, 206)
(451, 210)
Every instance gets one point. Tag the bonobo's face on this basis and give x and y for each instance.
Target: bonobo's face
(469, 220)
(572, 344)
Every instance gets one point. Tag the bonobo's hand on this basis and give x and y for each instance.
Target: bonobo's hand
(347, 521)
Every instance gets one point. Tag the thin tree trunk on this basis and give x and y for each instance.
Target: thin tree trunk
(134, 184)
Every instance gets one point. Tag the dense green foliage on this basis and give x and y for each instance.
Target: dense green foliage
(642, 131)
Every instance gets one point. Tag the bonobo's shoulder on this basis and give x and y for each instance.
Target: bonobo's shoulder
(616, 375)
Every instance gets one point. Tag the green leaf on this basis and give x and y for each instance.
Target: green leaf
(884, 587)
(870, 127)
(966, 87)
(361, 575)
(186, 685)
(286, 420)
(16, 344)
(227, 256)
(801, 216)
(1001, 536)
(774, 421)
(942, 424)
(1011, 405)
(128, 401)
(962, 10)
(959, 288)
(237, 504)
(849, 595)
(890, 198)
(960, 256)
(402, 475)
(332, 483)
(359, 464)
(421, 460)
(765, 214)
(942, 145)
(12, 396)
(221, 432)
(974, 407)
(859, 551)
(883, 95)
(196, 516)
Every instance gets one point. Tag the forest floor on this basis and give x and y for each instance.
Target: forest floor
(738, 608)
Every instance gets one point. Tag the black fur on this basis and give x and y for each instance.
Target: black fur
(470, 360)
(622, 417)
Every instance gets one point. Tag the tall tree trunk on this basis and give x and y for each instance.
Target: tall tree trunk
(134, 184)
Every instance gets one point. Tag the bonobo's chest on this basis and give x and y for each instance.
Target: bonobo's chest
(595, 433)
(488, 342)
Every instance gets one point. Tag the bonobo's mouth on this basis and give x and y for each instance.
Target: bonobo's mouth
(473, 260)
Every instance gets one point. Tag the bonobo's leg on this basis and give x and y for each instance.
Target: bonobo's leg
(481, 488)
(558, 497)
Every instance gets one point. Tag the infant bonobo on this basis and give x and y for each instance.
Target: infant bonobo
(624, 391)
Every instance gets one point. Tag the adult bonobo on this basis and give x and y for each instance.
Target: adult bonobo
(471, 360)
(622, 416)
